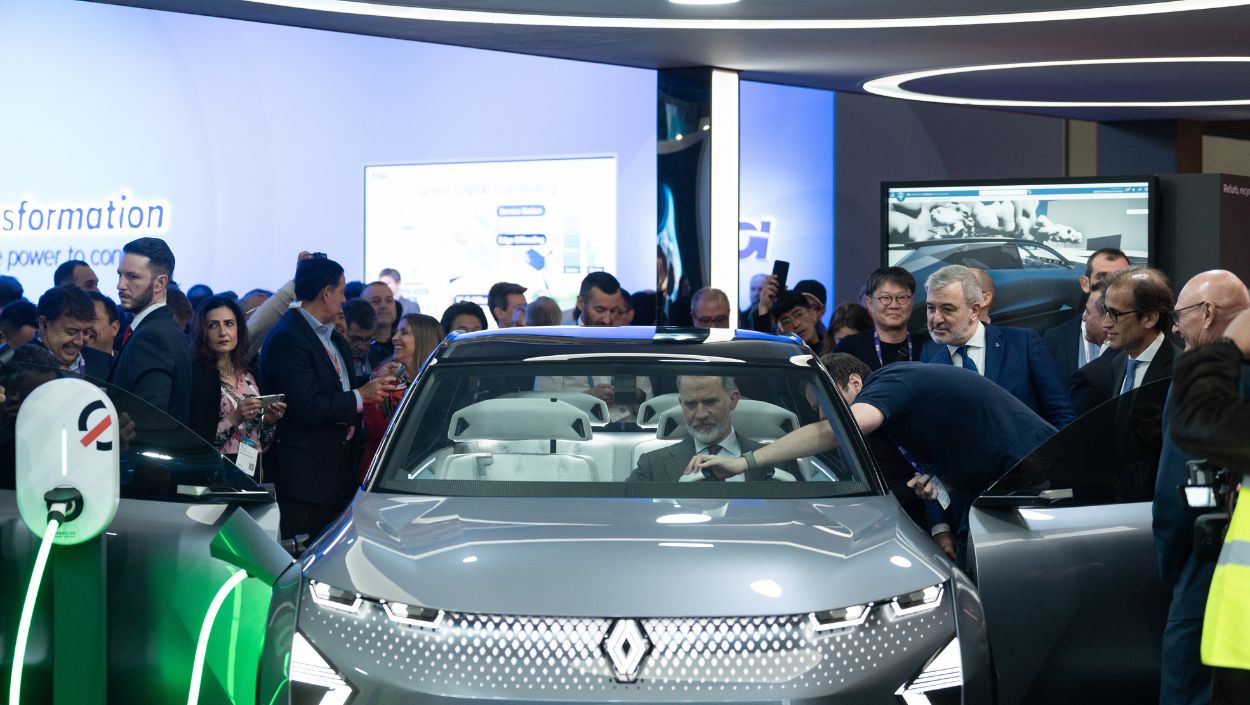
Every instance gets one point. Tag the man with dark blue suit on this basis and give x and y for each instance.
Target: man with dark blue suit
(1015, 359)
(305, 359)
(1206, 306)
(155, 361)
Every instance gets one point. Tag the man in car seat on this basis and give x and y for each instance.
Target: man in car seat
(706, 404)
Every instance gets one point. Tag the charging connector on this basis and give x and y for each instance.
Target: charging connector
(64, 504)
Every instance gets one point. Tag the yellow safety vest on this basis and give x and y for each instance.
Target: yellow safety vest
(1226, 626)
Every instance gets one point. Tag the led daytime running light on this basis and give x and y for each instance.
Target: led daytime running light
(334, 598)
(414, 616)
(918, 601)
(843, 618)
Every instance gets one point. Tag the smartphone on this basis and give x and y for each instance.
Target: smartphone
(268, 399)
(781, 270)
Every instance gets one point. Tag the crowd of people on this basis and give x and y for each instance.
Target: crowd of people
(309, 374)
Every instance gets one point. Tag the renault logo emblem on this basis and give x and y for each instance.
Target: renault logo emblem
(626, 648)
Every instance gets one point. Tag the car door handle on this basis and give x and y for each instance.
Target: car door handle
(1045, 497)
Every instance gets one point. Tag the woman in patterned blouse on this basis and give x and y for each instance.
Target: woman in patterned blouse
(225, 409)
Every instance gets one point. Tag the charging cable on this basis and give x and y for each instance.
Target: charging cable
(62, 502)
(201, 646)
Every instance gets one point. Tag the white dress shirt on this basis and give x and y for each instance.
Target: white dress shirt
(134, 322)
(1143, 361)
(1088, 352)
(976, 350)
(729, 448)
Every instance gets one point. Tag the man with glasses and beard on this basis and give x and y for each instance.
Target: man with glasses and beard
(706, 405)
(155, 361)
(890, 293)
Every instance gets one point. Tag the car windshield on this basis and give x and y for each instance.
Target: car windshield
(160, 458)
(614, 428)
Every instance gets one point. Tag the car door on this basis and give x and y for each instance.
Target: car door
(176, 492)
(1064, 559)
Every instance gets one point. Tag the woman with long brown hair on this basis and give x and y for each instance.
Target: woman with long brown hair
(415, 338)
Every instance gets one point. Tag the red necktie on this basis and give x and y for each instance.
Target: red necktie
(126, 334)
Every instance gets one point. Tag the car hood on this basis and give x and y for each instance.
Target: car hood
(625, 557)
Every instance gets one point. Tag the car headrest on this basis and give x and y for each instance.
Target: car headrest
(757, 420)
(650, 410)
(595, 408)
(518, 420)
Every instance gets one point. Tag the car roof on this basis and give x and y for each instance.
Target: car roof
(553, 343)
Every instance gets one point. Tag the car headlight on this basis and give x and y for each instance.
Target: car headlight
(334, 598)
(313, 680)
(939, 681)
(910, 603)
(413, 616)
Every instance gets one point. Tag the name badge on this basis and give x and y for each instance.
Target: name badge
(248, 457)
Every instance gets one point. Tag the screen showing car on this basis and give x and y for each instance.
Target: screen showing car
(625, 428)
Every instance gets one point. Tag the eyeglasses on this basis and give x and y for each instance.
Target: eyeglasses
(1178, 312)
(888, 300)
(712, 321)
(792, 318)
(1113, 314)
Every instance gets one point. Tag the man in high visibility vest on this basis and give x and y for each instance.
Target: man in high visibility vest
(1212, 420)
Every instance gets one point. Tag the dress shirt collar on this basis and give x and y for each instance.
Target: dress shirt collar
(323, 330)
(729, 445)
(1148, 355)
(134, 324)
(976, 341)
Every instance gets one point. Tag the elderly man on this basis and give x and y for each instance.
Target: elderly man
(889, 293)
(709, 308)
(706, 405)
(1013, 358)
(1206, 306)
(1070, 343)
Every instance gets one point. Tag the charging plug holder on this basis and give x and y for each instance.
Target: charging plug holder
(67, 443)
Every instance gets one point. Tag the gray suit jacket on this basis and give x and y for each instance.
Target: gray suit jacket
(669, 463)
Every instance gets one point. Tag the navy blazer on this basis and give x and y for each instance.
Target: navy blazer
(1017, 360)
(155, 365)
(312, 449)
(1102, 379)
(1064, 342)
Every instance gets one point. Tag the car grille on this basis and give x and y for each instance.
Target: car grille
(563, 658)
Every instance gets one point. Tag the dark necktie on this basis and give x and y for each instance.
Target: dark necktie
(968, 363)
(126, 334)
(713, 449)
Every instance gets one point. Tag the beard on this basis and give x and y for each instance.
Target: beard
(142, 300)
(708, 434)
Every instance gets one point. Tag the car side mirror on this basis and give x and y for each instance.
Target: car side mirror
(1045, 497)
(241, 542)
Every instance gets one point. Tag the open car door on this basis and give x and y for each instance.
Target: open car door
(1064, 558)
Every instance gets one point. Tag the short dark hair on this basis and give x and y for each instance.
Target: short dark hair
(1109, 253)
(197, 293)
(787, 301)
(160, 257)
(1152, 292)
(599, 280)
(313, 275)
(890, 275)
(10, 290)
(644, 303)
(202, 352)
(64, 274)
(392, 273)
(850, 315)
(18, 315)
(499, 293)
(842, 365)
(353, 289)
(179, 305)
(459, 308)
(358, 312)
(66, 300)
(110, 306)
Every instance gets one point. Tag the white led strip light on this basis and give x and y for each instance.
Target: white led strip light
(892, 86)
(540, 20)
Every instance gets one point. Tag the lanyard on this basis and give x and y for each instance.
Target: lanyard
(876, 341)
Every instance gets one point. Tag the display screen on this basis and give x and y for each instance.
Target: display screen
(1032, 237)
(1073, 217)
(453, 230)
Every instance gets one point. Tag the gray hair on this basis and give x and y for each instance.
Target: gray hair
(956, 274)
(543, 311)
(726, 382)
(708, 292)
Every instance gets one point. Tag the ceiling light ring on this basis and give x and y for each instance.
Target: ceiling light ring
(893, 86)
(408, 12)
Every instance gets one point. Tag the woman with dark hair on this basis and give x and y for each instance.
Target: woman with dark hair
(849, 319)
(415, 338)
(225, 408)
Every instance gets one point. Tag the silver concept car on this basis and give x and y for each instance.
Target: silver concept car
(526, 534)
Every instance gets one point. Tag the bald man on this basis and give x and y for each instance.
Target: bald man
(1205, 307)
(987, 292)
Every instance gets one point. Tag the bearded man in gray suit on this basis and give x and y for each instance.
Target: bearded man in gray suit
(706, 404)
